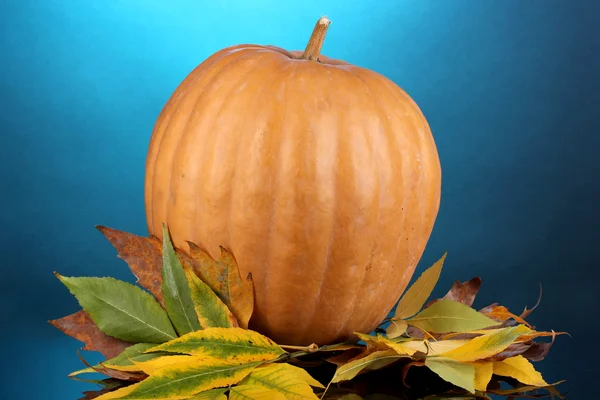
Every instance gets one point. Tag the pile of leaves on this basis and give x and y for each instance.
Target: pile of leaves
(186, 337)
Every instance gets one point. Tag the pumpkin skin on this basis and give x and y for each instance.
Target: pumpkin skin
(322, 178)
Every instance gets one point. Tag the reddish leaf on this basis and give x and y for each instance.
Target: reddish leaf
(464, 292)
(143, 255)
(502, 314)
(81, 327)
(527, 312)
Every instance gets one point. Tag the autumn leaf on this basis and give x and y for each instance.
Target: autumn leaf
(382, 342)
(121, 375)
(396, 328)
(483, 374)
(373, 361)
(81, 327)
(513, 350)
(254, 392)
(502, 314)
(241, 291)
(211, 311)
(187, 378)
(292, 382)
(213, 394)
(121, 310)
(125, 360)
(521, 369)
(415, 297)
(455, 372)
(486, 345)
(210, 271)
(176, 291)
(464, 292)
(450, 316)
(434, 347)
(225, 344)
(142, 255)
(538, 351)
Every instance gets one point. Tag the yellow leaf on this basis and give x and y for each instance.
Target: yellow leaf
(396, 328)
(184, 379)
(292, 382)
(213, 394)
(450, 316)
(487, 345)
(521, 369)
(434, 347)
(457, 373)
(225, 344)
(373, 361)
(118, 394)
(151, 366)
(483, 374)
(254, 392)
(211, 311)
(382, 342)
(415, 297)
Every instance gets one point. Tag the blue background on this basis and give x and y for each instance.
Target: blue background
(510, 88)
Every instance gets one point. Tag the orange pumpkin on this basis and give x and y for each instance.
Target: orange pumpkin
(321, 177)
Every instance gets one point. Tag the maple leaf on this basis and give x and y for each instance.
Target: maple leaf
(81, 327)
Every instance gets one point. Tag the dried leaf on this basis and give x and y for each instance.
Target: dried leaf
(210, 309)
(254, 392)
(415, 297)
(176, 291)
(538, 351)
(119, 393)
(483, 374)
(501, 313)
(464, 292)
(143, 255)
(383, 343)
(241, 291)
(450, 316)
(225, 344)
(125, 360)
(292, 382)
(486, 346)
(526, 312)
(396, 328)
(520, 369)
(121, 375)
(455, 372)
(81, 327)
(373, 361)
(212, 272)
(513, 350)
(187, 378)
(121, 310)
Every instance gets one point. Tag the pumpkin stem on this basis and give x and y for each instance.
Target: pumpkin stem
(315, 43)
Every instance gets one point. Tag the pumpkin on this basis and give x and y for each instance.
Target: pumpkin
(322, 178)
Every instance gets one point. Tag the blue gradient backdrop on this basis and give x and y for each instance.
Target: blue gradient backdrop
(510, 88)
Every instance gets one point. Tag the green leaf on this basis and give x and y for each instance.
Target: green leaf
(292, 382)
(373, 361)
(210, 309)
(188, 378)
(450, 316)
(416, 296)
(396, 328)
(121, 310)
(176, 291)
(225, 344)
(457, 373)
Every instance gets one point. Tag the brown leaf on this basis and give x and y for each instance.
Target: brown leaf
(110, 384)
(514, 349)
(142, 254)
(539, 350)
(527, 312)
(113, 373)
(406, 367)
(213, 273)
(464, 292)
(81, 327)
(502, 314)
